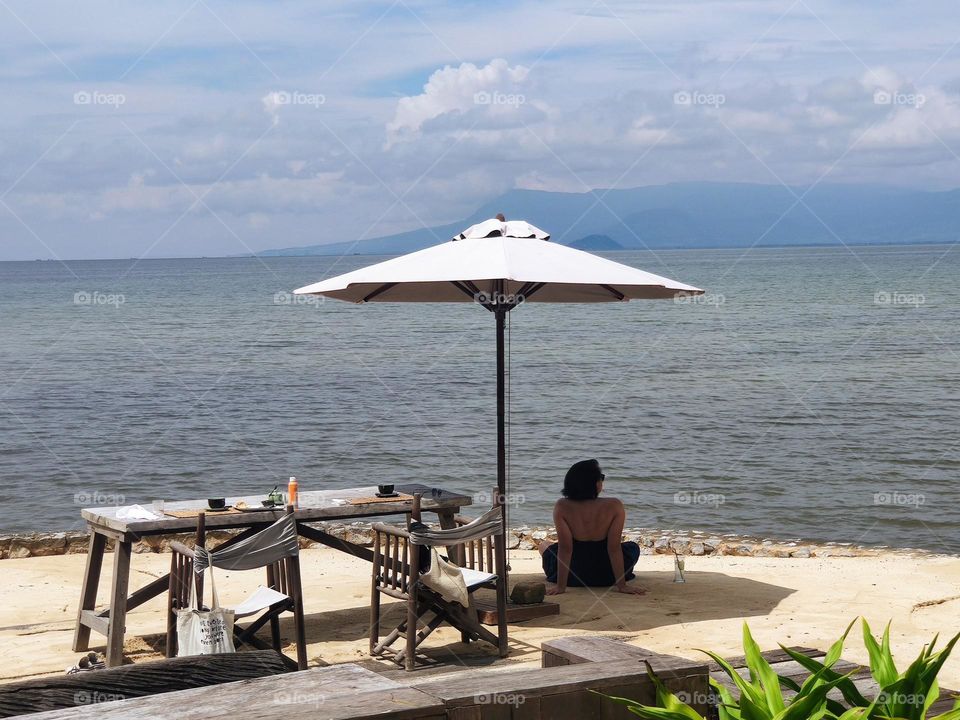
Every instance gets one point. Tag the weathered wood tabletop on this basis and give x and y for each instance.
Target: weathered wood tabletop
(108, 523)
(315, 505)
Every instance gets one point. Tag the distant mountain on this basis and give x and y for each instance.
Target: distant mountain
(692, 215)
(596, 242)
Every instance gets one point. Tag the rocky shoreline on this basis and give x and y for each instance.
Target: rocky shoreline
(651, 541)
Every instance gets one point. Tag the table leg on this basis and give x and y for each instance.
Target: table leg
(118, 602)
(88, 592)
(447, 521)
(317, 535)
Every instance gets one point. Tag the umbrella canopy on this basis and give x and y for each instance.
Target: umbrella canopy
(476, 269)
(498, 265)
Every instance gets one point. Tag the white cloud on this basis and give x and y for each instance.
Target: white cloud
(495, 87)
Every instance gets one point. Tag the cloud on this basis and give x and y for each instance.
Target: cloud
(495, 88)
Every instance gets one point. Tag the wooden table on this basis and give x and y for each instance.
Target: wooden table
(325, 505)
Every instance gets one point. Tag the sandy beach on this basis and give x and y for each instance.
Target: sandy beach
(790, 600)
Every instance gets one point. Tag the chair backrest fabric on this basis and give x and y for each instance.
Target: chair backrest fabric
(268, 546)
(489, 523)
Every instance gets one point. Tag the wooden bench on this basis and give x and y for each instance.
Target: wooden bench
(574, 649)
(561, 692)
(686, 678)
(133, 681)
(338, 692)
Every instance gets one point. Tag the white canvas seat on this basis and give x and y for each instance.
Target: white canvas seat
(473, 578)
(260, 600)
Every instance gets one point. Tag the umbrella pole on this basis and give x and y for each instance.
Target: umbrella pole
(500, 311)
(501, 314)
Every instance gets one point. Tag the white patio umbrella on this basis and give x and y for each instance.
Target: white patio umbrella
(498, 265)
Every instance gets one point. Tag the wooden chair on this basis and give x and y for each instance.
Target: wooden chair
(400, 559)
(282, 593)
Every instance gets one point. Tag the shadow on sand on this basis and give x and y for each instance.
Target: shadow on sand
(705, 596)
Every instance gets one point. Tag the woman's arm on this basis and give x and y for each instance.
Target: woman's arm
(564, 551)
(615, 551)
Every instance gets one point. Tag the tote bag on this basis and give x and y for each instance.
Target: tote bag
(204, 632)
(446, 579)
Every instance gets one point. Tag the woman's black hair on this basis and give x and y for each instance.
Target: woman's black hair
(580, 482)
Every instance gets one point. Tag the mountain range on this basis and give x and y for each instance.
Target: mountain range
(700, 215)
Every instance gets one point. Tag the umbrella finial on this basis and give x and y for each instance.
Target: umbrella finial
(501, 218)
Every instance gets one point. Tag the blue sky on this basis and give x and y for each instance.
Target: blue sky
(205, 128)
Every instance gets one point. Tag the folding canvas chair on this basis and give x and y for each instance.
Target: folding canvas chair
(275, 548)
(401, 565)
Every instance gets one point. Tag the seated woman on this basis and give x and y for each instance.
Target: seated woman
(589, 552)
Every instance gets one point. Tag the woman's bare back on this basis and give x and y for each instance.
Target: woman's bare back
(589, 520)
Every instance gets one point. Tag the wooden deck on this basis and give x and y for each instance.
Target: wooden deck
(338, 692)
(342, 692)
(574, 667)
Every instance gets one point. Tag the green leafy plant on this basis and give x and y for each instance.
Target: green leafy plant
(902, 696)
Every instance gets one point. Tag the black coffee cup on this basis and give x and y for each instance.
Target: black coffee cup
(217, 503)
(385, 489)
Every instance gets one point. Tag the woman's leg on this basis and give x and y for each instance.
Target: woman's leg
(631, 554)
(548, 553)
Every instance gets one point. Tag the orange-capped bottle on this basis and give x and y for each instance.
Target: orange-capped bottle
(292, 495)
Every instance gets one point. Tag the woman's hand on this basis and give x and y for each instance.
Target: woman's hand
(556, 590)
(631, 589)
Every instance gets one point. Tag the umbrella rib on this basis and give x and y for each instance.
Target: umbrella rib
(380, 290)
(464, 289)
(529, 289)
(613, 291)
(473, 288)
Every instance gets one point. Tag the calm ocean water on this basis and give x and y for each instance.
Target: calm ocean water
(813, 393)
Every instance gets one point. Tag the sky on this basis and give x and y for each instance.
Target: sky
(145, 129)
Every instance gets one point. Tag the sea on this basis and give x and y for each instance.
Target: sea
(812, 393)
